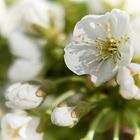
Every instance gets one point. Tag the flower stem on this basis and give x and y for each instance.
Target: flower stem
(70, 79)
(60, 99)
(116, 128)
(134, 124)
(91, 133)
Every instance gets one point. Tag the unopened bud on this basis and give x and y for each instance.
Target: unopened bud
(68, 115)
(26, 95)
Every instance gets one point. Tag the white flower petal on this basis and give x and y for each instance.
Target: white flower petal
(31, 133)
(2, 10)
(61, 116)
(128, 89)
(24, 46)
(80, 59)
(23, 70)
(127, 52)
(135, 68)
(12, 20)
(93, 26)
(129, 92)
(40, 12)
(20, 127)
(123, 27)
(105, 72)
(122, 22)
(124, 77)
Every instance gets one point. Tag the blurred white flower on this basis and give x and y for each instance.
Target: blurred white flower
(96, 6)
(132, 6)
(11, 20)
(28, 64)
(17, 22)
(129, 80)
(2, 10)
(113, 3)
(24, 96)
(63, 116)
(136, 34)
(42, 12)
(24, 69)
(101, 44)
(22, 14)
(78, 1)
(19, 126)
(24, 46)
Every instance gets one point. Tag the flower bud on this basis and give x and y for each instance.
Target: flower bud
(68, 115)
(26, 95)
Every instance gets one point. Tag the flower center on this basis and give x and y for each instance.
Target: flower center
(109, 48)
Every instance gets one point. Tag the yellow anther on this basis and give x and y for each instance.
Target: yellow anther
(40, 93)
(75, 114)
(112, 40)
(86, 65)
(81, 37)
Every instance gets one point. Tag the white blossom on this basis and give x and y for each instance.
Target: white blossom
(22, 14)
(2, 10)
(24, 96)
(20, 126)
(29, 57)
(136, 34)
(41, 12)
(24, 69)
(78, 1)
(23, 46)
(129, 80)
(62, 116)
(16, 23)
(132, 6)
(101, 44)
(96, 6)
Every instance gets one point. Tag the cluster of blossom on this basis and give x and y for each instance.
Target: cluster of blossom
(18, 24)
(26, 96)
(18, 124)
(102, 46)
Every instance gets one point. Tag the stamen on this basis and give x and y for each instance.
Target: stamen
(82, 39)
(109, 47)
(108, 26)
(86, 65)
